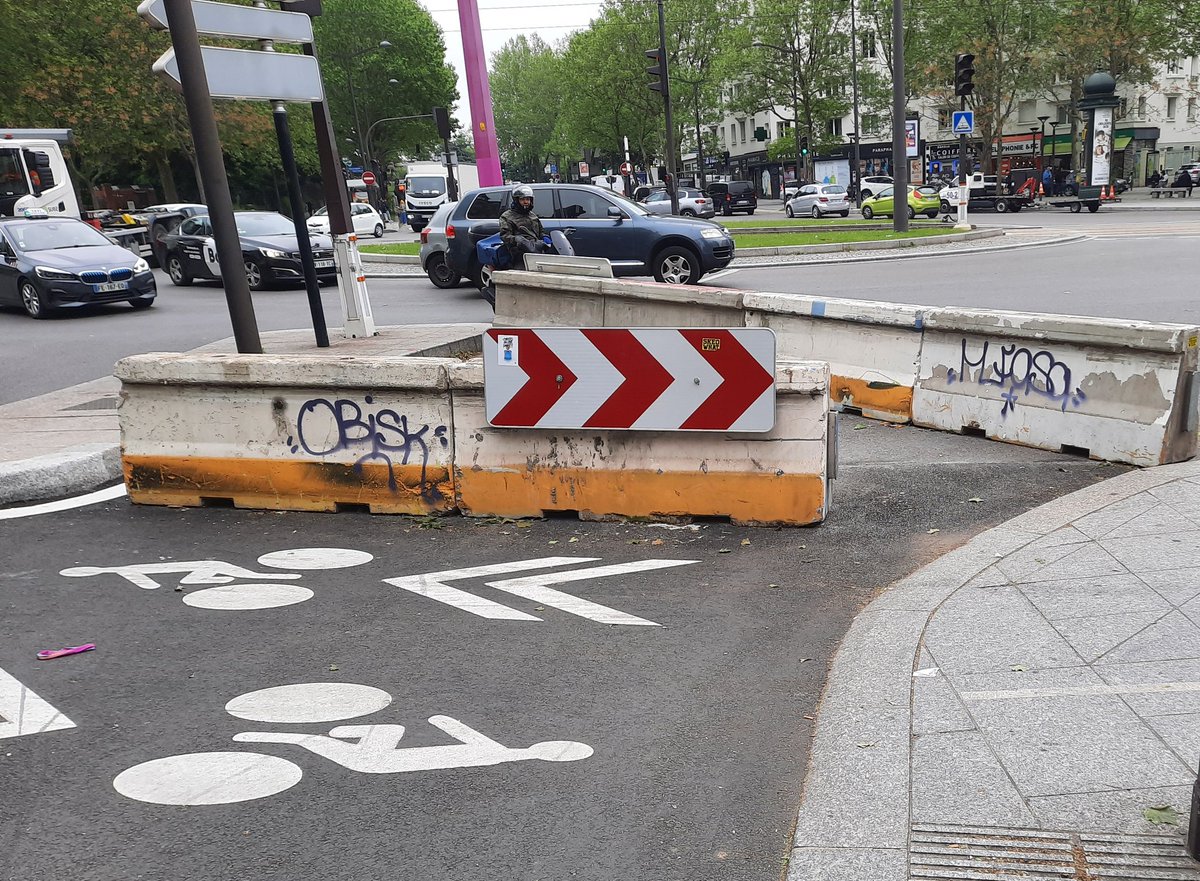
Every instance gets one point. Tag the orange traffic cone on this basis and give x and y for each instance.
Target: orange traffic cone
(1041, 192)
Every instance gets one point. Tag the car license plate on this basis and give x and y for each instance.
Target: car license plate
(110, 286)
(323, 264)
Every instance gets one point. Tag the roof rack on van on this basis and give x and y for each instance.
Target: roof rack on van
(61, 135)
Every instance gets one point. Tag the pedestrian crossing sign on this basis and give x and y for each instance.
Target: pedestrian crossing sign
(964, 122)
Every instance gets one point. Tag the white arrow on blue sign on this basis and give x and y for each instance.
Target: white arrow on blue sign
(964, 122)
(237, 22)
(250, 75)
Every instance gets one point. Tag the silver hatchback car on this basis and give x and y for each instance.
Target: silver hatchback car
(817, 200)
(692, 203)
(434, 246)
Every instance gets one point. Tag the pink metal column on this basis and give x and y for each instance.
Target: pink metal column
(483, 128)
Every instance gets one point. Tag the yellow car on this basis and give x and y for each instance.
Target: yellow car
(921, 200)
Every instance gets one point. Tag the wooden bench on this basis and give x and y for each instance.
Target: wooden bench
(1170, 192)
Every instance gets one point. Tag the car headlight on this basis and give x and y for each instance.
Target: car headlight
(49, 272)
(712, 233)
(141, 266)
(271, 252)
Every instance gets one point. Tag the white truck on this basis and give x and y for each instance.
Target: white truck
(426, 188)
(34, 175)
(981, 193)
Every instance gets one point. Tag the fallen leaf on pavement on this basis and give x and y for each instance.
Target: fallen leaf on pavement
(866, 744)
(724, 551)
(745, 542)
(1017, 668)
(658, 541)
(573, 539)
(976, 499)
(1163, 815)
(333, 668)
(932, 531)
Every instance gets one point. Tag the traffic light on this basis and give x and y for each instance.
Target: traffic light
(804, 146)
(964, 74)
(657, 71)
(441, 118)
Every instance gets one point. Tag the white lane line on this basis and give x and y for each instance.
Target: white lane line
(22, 712)
(1082, 691)
(433, 585)
(535, 588)
(101, 495)
(713, 276)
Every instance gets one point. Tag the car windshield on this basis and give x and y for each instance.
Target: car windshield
(427, 185)
(264, 225)
(12, 174)
(833, 190)
(320, 212)
(50, 235)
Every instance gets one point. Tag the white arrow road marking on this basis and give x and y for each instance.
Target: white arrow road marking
(535, 588)
(596, 380)
(23, 712)
(685, 394)
(93, 498)
(433, 585)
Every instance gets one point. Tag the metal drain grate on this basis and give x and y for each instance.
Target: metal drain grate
(977, 853)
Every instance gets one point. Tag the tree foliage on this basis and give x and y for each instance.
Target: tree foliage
(527, 97)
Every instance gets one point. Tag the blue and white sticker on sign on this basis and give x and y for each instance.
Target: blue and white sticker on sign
(964, 122)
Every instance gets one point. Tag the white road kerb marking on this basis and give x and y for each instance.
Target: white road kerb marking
(1081, 691)
(93, 498)
(534, 588)
(22, 712)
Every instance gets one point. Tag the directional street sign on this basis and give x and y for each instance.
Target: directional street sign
(652, 379)
(963, 122)
(237, 22)
(247, 74)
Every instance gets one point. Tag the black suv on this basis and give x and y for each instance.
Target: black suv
(598, 223)
(737, 195)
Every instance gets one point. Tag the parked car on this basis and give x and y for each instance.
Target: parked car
(597, 223)
(733, 196)
(818, 200)
(367, 221)
(48, 264)
(434, 248)
(692, 203)
(789, 189)
(270, 251)
(883, 203)
(872, 184)
(162, 220)
(643, 191)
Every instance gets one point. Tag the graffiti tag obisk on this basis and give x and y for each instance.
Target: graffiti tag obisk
(325, 426)
(1020, 371)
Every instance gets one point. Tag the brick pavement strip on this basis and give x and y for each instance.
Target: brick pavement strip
(1021, 701)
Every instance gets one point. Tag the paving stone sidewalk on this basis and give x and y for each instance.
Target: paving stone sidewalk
(1025, 705)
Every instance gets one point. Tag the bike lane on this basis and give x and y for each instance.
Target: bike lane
(565, 700)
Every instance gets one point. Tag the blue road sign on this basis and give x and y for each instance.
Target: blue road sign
(356, 169)
(964, 122)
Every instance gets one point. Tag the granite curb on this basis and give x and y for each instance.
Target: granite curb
(855, 813)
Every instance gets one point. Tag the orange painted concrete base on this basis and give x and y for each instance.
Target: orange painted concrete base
(279, 484)
(879, 400)
(746, 498)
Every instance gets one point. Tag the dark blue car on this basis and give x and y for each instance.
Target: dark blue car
(597, 223)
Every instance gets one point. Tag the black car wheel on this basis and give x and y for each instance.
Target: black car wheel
(441, 273)
(816, 213)
(946, 207)
(487, 287)
(787, 209)
(912, 212)
(255, 276)
(751, 211)
(676, 265)
(867, 213)
(31, 300)
(379, 230)
(141, 304)
(178, 272)
(1001, 206)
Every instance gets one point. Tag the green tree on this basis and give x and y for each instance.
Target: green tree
(526, 97)
(366, 82)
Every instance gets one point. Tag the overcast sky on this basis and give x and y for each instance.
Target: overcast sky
(502, 20)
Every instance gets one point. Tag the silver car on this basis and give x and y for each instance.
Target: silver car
(434, 248)
(817, 200)
(692, 203)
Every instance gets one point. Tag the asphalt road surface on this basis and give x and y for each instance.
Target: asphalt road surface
(687, 731)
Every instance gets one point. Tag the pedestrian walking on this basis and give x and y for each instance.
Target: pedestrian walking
(1048, 182)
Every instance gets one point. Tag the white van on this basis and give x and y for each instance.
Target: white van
(34, 174)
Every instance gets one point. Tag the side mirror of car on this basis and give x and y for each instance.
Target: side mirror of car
(615, 212)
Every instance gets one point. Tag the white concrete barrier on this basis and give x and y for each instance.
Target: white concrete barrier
(1112, 389)
(1120, 390)
(287, 432)
(780, 477)
(873, 349)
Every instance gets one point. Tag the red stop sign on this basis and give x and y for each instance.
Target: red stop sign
(369, 178)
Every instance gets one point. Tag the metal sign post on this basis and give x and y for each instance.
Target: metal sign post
(185, 43)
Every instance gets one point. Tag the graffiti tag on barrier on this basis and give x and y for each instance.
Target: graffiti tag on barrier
(325, 426)
(1020, 372)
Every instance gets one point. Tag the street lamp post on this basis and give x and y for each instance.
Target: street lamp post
(1041, 163)
(854, 159)
(1033, 133)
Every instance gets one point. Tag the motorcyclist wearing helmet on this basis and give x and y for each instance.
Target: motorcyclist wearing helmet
(520, 229)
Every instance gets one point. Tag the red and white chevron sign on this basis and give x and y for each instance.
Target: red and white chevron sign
(652, 379)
